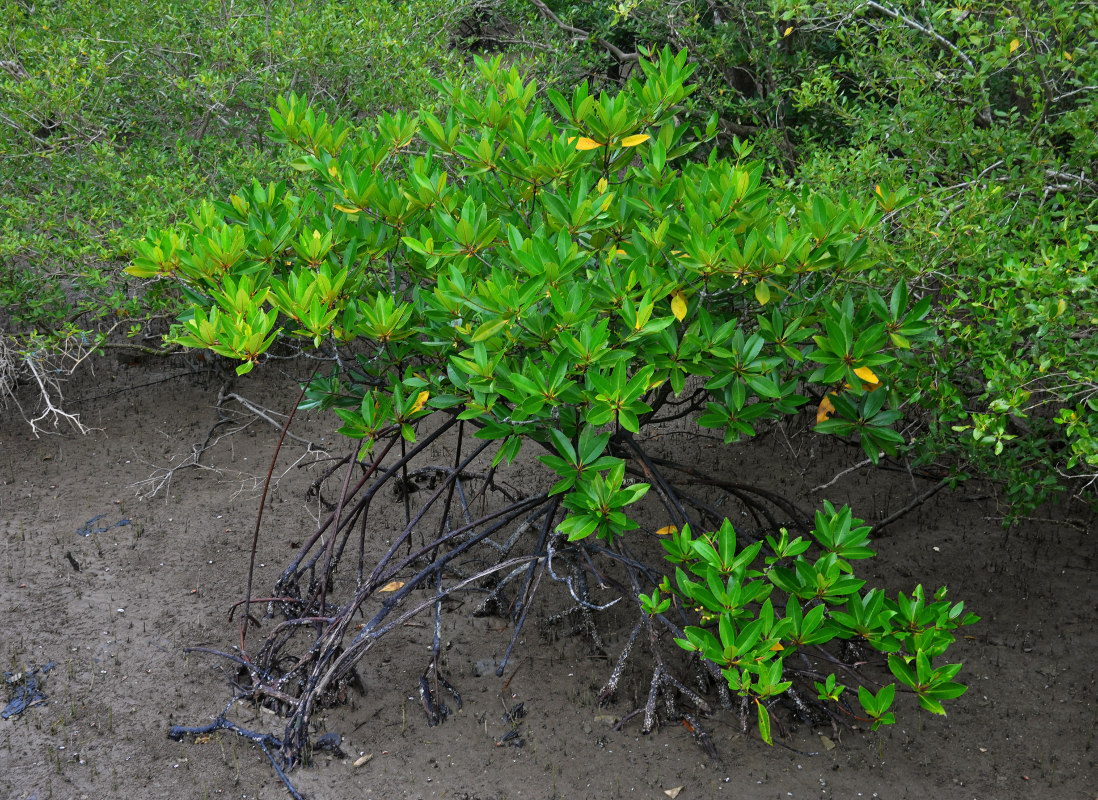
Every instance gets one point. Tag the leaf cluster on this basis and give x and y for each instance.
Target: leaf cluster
(545, 277)
(975, 127)
(745, 631)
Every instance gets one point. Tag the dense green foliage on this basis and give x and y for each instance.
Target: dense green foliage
(823, 602)
(978, 124)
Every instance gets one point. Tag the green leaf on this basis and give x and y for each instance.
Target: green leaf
(898, 666)
(931, 705)
(764, 723)
(489, 329)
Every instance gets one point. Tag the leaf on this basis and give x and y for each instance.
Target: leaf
(392, 586)
(673, 793)
(826, 409)
(667, 530)
(763, 386)
(764, 724)
(489, 329)
(348, 209)
(900, 341)
(583, 143)
(931, 705)
(788, 31)
(900, 668)
(867, 375)
(868, 701)
(420, 401)
(762, 293)
(1014, 43)
(633, 141)
(885, 697)
(678, 305)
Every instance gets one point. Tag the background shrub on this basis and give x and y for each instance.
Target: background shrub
(117, 116)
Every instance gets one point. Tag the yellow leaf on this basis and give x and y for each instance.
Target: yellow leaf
(601, 185)
(762, 293)
(667, 530)
(316, 234)
(583, 143)
(826, 409)
(678, 305)
(348, 209)
(776, 647)
(788, 31)
(866, 374)
(333, 171)
(392, 586)
(1067, 55)
(1014, 43)
(633, 141)
(420, 401)
(878, 190)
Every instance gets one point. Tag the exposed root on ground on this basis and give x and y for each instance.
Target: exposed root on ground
(44, 374)
(467, 532)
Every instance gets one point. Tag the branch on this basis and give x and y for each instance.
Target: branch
(831, 482)
(580, 34)
(266, 415)
(918, 501)
(984, 114)
(170, 350)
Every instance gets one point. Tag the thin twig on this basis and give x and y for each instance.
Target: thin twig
(583, 35)
(984, 112)
(918, 501)
(846, 471)
(244, 620)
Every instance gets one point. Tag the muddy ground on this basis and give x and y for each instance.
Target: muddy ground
(115, 608)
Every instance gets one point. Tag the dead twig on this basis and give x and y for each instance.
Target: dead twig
(918, 501)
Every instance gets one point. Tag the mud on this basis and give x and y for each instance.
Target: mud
(114, 605)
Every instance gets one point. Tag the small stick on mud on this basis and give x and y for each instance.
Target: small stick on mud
(918, 501)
